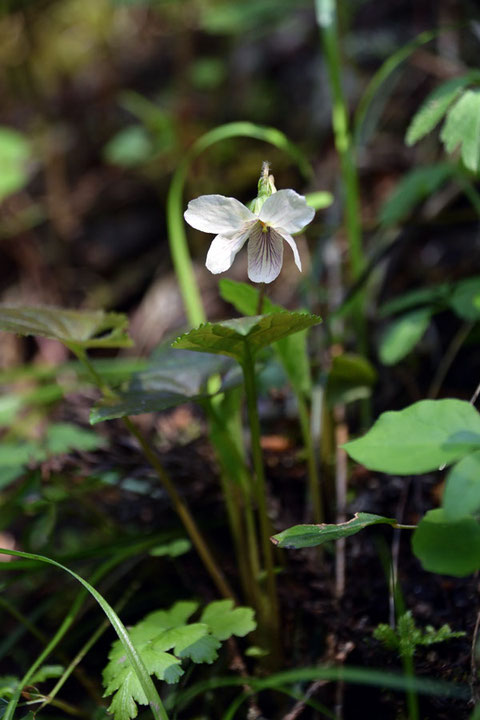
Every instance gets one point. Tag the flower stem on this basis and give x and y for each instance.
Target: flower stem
(312, 464)
(248, 369)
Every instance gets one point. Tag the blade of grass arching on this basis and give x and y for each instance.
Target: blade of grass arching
(144, 678)
(357, 676)
(87, 646)
(176, 225)
(383, 74)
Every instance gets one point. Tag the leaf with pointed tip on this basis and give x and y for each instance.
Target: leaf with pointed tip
(224, 620)
(303, 536)
(291, 350)
(414, 187)
(437, 295)
(402, 334)
(234, 337)
(94, 328)
(420, 438)
(434, 108)
(449, 547)
(462, 128)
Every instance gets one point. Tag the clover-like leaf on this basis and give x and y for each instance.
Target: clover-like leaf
(449, 547)
(224, 620)
(302, 536)
(420, 438)
(94, 328)
(235, 337)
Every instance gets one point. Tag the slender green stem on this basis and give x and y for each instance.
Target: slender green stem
(248, 368)
(179, 504)
(327, 21)
(411, 693)
(261, 295)
(312, 464)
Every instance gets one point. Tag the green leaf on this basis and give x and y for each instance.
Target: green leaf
(415, 186)
(462, 128)
(434, 108)
(319, 200)
(292, 350)
(173, 378)
(420, 438)
(465, 300)
(351, 378)
(224, 620)
(436, 295)
(175, 548)
(447, 547)
(63, 437)
(234, 337)
(46, 672)
(302, 536)
(130, 147)
(403, 334)
(15, 154)
(87, 329)
(462, 490)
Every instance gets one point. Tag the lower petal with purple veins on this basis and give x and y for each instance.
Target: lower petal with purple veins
(265, 254)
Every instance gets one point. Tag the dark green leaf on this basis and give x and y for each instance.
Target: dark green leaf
(462, 128)
(447, 547)
(173, 378)
(233, 337)
(415, 186)
(422, 437)
(403, 334)
(465, 300)
(462, 490)
(94, 328)
(436, 295)
(351, 378)
(302, 536)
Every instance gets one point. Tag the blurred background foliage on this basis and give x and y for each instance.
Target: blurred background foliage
(101, 98)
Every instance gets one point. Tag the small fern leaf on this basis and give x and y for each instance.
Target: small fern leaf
(462, 128)
(224, 620)
(434, 108)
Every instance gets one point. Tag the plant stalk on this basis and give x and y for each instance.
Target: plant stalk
(248, 369)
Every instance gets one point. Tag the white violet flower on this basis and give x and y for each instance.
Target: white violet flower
(277, 216)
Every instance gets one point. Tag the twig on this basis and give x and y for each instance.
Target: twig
(447, 360)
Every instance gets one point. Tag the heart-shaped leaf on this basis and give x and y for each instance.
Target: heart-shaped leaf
(247, 334)
(420, 438)
(291, 350)
(94, 328)
(447, 547)
(302, 536)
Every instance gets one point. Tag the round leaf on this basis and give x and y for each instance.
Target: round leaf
(462, 490)
(447, 547)
(420, 438)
